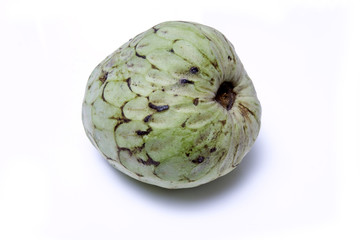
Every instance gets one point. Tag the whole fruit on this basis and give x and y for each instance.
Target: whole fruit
(173, 107)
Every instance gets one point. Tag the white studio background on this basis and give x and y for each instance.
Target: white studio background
(300, 181)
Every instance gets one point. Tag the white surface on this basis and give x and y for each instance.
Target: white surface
(300, 181)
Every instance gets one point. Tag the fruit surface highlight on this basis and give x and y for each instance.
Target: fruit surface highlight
(172, 107)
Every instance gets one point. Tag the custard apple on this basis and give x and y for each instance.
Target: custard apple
(172, 107)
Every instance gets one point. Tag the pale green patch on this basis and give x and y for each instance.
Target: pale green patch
(104, 116)
(168, 62)
(137, 109)
(126, 136)
(105, 141)
(93, 91)
(152, 42)
(117, 93)
(160, 79)
(140, 86)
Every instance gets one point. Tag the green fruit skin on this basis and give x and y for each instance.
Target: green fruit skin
(150, 107)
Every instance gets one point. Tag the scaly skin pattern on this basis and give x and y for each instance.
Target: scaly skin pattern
(173, 107)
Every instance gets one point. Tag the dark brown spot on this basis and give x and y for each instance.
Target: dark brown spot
(129, 83)
(138, 174)
(194, 70)
(196, 101)
(155, 29)
(159, 108)
(213, 149)
(142, 133)
(125, 149)
(148, 162)
(171, 50)
(225, 95)
(223, 122)
(147, 118)
(120, 120)
(229, 58)
(140, 56)
(183, 124)
(102, 94)
(215, 64)
(187, 154)
(245, 111)
(154, 67)
(103, 76)
(200, 159)
(186, 81)
(139, 148)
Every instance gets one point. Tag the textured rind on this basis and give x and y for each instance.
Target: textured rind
(150, 107)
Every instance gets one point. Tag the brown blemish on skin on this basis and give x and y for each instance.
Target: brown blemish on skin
(147, 118)
(194, 70)
(245, 111)
(213, 149)
(196, 101)
(103, 76)
(225, 95)
(154, 67)
(103, 90)
(128, 81)
(186, 81)
(125, 149)
(148, 162)
(120, 120)
(139, 148)
(216, 65)
(223, 122)
(142, 133)
(140, 56)
(184, 123)
(200, 159)
(159, 108)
